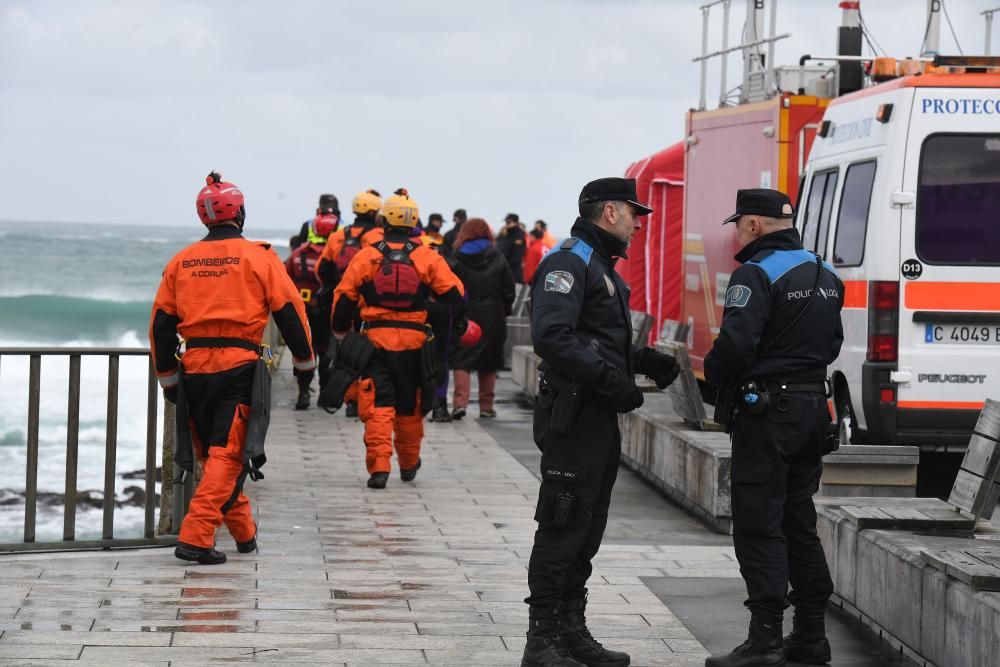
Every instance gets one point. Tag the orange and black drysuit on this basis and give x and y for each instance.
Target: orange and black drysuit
(389, 391)
(301, 266)
(218, 294)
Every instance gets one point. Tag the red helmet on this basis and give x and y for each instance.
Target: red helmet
(325, 224)
(473, 332)
(219, 202)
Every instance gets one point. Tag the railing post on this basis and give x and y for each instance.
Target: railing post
(166, 525)
(152, 391)
(111, 449)
(72, 448)
(31, 467)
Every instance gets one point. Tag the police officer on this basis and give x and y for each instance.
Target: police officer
(780, 329)
(580, 326)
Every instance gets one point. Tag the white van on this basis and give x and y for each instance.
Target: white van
(902, 195)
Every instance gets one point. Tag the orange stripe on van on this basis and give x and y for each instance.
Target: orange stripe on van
(953, 296)
(855, 294)
(941, 405)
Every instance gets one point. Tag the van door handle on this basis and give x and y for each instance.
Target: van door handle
(903, 199)
(901, 376)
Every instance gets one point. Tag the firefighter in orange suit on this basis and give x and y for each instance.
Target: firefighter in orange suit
(301, 267)
(341, 248)
(218, 294)
(390, 282)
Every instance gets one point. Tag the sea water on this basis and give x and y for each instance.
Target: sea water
(81, 285)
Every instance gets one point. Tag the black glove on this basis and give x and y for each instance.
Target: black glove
(621, 389)
(170, 394)
(658, 367)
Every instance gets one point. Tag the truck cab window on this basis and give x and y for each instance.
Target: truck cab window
(852, 218)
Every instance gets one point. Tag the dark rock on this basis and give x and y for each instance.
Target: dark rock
(141, 474)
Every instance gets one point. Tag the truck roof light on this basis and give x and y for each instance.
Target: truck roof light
(883, 69)
(967, 61)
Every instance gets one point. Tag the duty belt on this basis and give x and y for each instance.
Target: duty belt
(262, 350)
(775, 387)
(394, 324)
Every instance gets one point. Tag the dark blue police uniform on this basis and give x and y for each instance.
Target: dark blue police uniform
(768, 338)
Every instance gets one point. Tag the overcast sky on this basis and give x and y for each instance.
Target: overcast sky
(115, 111)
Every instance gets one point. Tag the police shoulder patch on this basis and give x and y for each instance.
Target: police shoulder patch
(737, 296)
(559, 281)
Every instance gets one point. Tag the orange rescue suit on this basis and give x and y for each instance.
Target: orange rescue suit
(223, 286)
(389, 396)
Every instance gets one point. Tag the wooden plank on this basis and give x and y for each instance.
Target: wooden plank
(982, 457)
(989, 555)
(974, 494)
(989, 420)
(867, 517)
(950, 519)
(905, 518)
(964, 567)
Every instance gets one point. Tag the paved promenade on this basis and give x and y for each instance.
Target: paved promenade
(429, 572)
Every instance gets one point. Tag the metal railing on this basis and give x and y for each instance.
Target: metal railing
(69, 541)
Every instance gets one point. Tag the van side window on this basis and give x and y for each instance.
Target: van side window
(852, 218)
(958, 199)
(817, 218)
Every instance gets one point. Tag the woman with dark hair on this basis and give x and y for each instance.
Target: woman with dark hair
(489, 289)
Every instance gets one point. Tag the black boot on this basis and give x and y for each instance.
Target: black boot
(409, 474)
(546, 646)
(378, 480)
(808, 643)
(250, 545)
(440, 413)
(762, 647)
(352, 409)
(302, 402)
(200, 555)
(581, 643)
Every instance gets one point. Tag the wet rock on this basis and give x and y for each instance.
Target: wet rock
(132, 496)
(141, 474)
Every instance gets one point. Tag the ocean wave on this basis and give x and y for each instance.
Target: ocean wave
(49, 317)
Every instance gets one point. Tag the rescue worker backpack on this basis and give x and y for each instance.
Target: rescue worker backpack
(301, 265)
(396, 284)
(352, 244)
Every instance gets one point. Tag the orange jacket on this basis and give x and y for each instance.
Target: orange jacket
(548, 240)
(326, 267)
(431, 268)
(533, 257)
(224, 286)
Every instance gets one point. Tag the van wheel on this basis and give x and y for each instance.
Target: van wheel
(845, 420)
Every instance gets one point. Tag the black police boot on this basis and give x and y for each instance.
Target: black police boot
(378, 480)
(302, 402)
(409, 474)
(200, 555)
(352, 409)
(762, 647)
(581, 644)
(808, 643)
(546, 645)
(440, 413)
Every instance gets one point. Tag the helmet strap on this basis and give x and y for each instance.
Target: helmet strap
(241, 217)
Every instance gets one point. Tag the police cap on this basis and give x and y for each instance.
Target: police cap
(763, 202)
(613, 189)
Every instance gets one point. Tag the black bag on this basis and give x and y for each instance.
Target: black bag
(183, 445)
(260, 419)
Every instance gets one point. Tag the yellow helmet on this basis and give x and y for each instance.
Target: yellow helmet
(365, 202)
(400, 211)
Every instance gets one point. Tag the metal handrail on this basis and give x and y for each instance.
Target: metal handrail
(107, 540)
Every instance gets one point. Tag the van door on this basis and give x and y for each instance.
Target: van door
(949, 314)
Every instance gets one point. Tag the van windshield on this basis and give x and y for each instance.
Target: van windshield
(958, 199)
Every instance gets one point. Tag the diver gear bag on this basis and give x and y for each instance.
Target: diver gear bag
(349, 357)
(396, 284)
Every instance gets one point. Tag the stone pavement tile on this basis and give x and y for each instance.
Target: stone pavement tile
(312, 640)
(486, 643)
(40, 651)
(466, 658)
(89, 638)
(127, 655)
(368, 657)
(51, 625)
(695, 572)
(171, 626)
(334, 627)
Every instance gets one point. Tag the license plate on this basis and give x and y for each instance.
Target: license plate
(962, 334)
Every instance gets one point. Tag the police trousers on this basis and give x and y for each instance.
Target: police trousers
(776, 465)
(578, 470)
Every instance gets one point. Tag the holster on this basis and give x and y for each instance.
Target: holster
(183, 445)
(725, 407)
(260, 419)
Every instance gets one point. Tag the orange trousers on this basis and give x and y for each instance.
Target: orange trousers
(389, 406)
(219, 497)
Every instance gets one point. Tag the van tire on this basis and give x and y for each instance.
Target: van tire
(847, 432)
